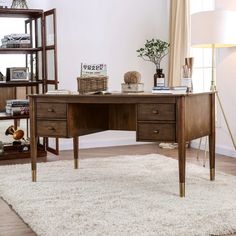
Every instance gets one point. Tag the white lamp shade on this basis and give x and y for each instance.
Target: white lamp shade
(216, 28)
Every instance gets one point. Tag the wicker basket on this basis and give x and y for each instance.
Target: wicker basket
(92, 84)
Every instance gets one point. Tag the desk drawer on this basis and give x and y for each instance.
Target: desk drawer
(51, 110)
(156, 112)
(51, 128)
(155, 132)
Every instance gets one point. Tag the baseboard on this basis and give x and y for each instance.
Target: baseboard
(129, 139)
(101, 141)
(223, 150)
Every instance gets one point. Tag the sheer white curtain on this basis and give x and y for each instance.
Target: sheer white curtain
(179, 39)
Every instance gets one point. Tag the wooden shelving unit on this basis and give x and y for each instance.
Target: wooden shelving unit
(19, 50)
(36, 61)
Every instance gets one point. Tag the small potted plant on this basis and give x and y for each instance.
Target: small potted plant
(154, 51)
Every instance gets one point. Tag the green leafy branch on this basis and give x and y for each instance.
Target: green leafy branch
(154, 50)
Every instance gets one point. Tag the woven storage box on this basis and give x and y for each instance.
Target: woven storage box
(92, 84)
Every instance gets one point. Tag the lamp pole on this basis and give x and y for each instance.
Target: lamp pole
(213, 89)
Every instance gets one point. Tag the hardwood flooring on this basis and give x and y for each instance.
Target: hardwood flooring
(12, 225)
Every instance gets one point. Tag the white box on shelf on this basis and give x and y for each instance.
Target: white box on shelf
(132, 88)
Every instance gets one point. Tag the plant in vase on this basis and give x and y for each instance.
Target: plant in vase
(154, 51)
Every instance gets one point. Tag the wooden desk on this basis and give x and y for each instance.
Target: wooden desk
(169, 118)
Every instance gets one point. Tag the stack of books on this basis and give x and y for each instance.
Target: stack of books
(16, 41)
(17, 107)
(170, 90)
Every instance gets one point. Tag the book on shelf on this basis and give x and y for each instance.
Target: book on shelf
(22, 110)
(169, 90)
(59, 91)
(17, 107)
(14, 102)
(182, 88)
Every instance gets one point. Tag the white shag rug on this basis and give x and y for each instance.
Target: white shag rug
(124, 195)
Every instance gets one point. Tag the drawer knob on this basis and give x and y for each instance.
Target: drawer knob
(156, 131)
(51, 110)
(155, 112)
(51, 128)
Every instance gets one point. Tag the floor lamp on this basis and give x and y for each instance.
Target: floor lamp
(214, 29)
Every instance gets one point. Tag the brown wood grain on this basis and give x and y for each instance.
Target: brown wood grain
(156, 111)
(122, 117)
(156, 132)
(198, 116)
(51, 110)
(157, 118)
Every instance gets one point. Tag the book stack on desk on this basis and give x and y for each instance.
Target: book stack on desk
(17, 107)
(169, 90)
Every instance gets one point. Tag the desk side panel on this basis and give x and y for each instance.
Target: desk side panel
(198, 116)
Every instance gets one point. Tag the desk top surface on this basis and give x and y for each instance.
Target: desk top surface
(121, 95)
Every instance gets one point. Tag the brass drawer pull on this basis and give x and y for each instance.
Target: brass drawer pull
(156, 131)
(51, 110)
(51, 128)
(155, 112)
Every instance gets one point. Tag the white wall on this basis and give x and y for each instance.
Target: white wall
(38, 4)
(108, 32)
(226, 84)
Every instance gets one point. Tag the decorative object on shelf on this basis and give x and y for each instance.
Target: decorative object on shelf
(93, 78)
(17, 74)
(132, 77)
(17, 134)
(3, 3)
(1, 148)
(159, 78)
(154, 51)
(132, 83)
(19, 143)
(19, 4)
(186, 80)
(16, 41)
(1, 76)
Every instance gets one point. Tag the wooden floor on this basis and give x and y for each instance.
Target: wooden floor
(12, 225)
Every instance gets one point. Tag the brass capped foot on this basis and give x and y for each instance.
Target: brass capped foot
(76, 164)
(212, 174)
(182, 189)
(33, 175)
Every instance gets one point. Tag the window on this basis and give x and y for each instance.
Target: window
(202, 70)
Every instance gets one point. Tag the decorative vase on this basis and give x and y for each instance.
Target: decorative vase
(159, 78)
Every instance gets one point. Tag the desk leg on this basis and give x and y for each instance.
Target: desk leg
(182, 161)
(33, 147)
(33, 140)
(76, 152)
(181, 145)
(212, 156)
